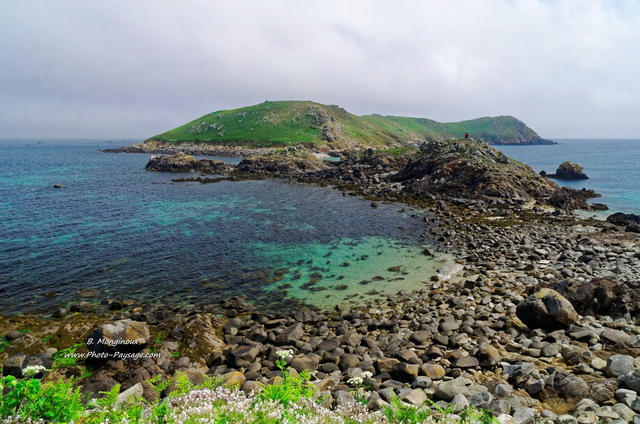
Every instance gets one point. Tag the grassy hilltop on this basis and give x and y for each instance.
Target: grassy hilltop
(322, 127)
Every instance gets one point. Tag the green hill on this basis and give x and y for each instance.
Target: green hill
(322, 127)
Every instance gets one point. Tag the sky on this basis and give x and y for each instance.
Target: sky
(137, 68)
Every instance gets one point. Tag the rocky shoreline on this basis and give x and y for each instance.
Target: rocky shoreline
(153, 147)
(543, 321)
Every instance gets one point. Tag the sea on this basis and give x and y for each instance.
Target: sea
(612, 165)
(114, 231)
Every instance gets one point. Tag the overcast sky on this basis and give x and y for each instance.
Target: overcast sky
(136, 68)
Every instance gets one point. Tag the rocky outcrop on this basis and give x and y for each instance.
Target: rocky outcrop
(160, 148)
(473, 169)
(629, 220)
(181, 162)
(281, 166)
(602, 296)
(568, 171)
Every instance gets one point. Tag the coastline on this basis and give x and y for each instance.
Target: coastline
(507, 253)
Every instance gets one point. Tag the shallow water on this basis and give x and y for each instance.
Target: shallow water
(126, 233)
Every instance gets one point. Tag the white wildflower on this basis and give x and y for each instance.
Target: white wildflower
(282, 354)
(367, 374)
(32, 370)
(355, 381)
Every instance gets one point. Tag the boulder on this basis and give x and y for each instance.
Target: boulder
(308, 362)
(97, 385)
(290, 334)
(487, 355)
(243, 356)
(547, 309)
(14, 365)
(201, 336)
(602, 296)
(447, 390)
(123, 336)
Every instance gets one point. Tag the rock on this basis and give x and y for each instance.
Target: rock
(602, 296)
(523, 415)
(82, 307)
(546, 309)
(602, 391)
(201, 335)
(619, 365)
(14, 365)
(290, 334)
(487, 355)
(420, 337)
(615, 336)
(620, 218)
(181, 162)
(414, 397)
(14, 335)
(466, 362)
(480, 399)
(243, 356)
(569, 171)
(97, 385)
(624, 412)
(448, 389)
(460, 401)
(570, 386)
(631, 380)
(405, 372)
(280, 166)
(535, 387)
(433, 371)
(343, 398)
(132, 392)
(119, 337)
(233, 379)
(387, 365)
(308, 362)
(349, 360)
(421, 382)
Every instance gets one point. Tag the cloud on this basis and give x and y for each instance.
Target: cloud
(135, 69)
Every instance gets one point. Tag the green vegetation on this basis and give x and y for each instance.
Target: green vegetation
(67, 357)
(4, 343)
(29, 398)
(288, 123)
(289, 399)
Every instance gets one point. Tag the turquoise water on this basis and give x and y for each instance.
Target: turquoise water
(127, 233)
(612, 165)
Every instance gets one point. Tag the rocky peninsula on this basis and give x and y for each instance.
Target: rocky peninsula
(542, 321)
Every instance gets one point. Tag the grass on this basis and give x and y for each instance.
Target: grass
(289, 123)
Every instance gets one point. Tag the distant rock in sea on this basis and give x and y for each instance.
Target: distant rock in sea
(567, 171)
